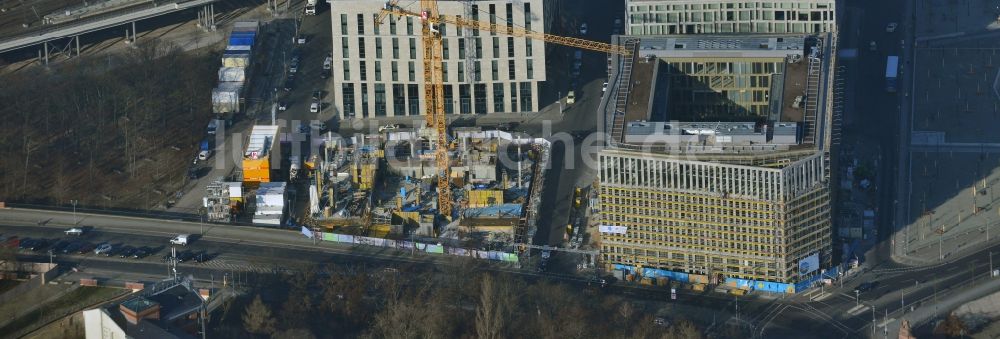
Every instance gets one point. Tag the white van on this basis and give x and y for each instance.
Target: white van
(181, 239)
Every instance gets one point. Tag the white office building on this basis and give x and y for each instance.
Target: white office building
(654, 17)
(378, 70)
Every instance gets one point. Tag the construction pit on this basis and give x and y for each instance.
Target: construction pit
(384, 185)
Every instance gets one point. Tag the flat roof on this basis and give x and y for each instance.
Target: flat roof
(640, 88)
(734, 46)
(262, 139)
(139, 304)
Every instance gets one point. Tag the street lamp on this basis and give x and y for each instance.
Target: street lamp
(74, 202)
(856, 294)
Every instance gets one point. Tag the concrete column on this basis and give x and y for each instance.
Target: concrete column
(133, 31)
(77, 38)
(46, 46)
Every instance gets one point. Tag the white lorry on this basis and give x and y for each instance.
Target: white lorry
(310, 7)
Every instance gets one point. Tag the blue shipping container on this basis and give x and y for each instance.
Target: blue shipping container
(243, 35)
(237, 41)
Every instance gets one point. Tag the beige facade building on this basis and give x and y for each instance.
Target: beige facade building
(647, 17)
(378, 70)
(718, 163)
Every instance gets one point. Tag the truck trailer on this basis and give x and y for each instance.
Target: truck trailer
(891, 71)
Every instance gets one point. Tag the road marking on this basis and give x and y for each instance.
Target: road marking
(886, 322)
(854, 311)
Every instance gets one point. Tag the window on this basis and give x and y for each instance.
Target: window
(361, 48)
(413, 98)
(395, 48)
(392, 25)
(441, 26)
(526, 97)
(378, 48)
(461, 48)
(345, 47)
(493, 17)
(380, 100)
(498, 96)
(409, 25)
(530, 69)
(480, 90)
(361, 24)
(343, 24)
(513, 97)
(511, 75)
(527, 16)
(364, 100)
(444, 48)
(464, 99)
(347, 70)
(412, 69)
(413, 48)
(495, 72)
(398, 99)
(395, 71)
(449, 100)
(510, 47)
(364, 71)
(477, 71)
(510, 16)
(347, 91)
(374, 25)
(475, 17)
(479, 48)
(496, 47)
(444, 71)
(527, 47)
(378, 71)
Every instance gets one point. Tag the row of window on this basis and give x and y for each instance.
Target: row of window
(730, 16)
(412, 25)
(471, 99)
(477, 48)
(695, 5)
(742, 27)
(461, 71)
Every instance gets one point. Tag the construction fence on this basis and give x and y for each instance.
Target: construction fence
(410, 246)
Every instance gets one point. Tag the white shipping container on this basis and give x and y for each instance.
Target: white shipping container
(238, 48)
(232, 74)
(236, 60)
(226, 97)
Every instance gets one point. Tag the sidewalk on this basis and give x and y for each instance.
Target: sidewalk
(928, 312)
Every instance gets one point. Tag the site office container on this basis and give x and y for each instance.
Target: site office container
(263, 152)
(227, 97)
(232, 74)
(236, 58)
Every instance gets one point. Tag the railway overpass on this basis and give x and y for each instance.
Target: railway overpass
(73, 29)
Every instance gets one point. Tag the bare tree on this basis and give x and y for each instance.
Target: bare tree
(494, 309)
(257, 318)
(952, 326)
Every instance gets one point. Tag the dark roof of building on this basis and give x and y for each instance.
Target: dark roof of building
(139, 304)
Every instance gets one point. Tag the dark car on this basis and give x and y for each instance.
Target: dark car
(26, 243)
(317, 95)
(184, 256)
(72, 247)
(126, 251)
(59, 246)
(201, 256)
(867, 286)
(38, 244)
(140, 253)
(85, 248)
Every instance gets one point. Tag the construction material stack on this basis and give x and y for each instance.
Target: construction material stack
(227, 98)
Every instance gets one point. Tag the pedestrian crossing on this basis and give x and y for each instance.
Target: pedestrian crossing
(240, 266)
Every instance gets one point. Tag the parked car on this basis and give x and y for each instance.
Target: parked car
(85, 248)
(73, 247)
(328, 63)
(75, 231)
(37, 244)
(180, 239)
(204, 155)
(103, 248)
(571, 98)
(583, 28)
(141, 252)
(316, 95)
(282, 106)
(26, 243)
(604, 87)
(184, 256)
(59, 246)
(201, 256)
(314, 107)
(891, 27)
(126, 251)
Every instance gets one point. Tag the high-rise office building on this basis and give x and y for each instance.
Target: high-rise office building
(648, 17)
(378, 69)
(718, 163)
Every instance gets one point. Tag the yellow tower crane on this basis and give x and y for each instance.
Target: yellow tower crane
(434, 75)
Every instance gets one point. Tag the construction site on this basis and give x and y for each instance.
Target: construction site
(385, 185)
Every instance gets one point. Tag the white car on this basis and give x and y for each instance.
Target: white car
(102, 248)
(180, 239)
(891, 27)
(204, 155)
(604, 88)
(571, 98)
(314, 107)
(74, 231)
(583, 28)
(328, 63)
(293, 68)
